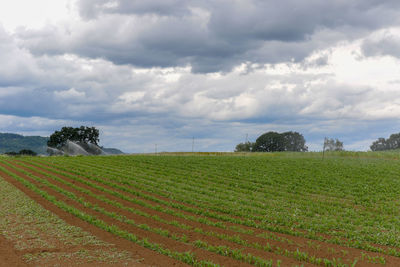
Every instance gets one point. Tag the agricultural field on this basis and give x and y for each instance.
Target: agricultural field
(212, 209)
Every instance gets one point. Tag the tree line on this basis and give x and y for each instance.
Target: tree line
(294, 141)
(287, 141)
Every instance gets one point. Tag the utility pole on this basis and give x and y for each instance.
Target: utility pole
(323, 150)
(193, 145)
(155, 148)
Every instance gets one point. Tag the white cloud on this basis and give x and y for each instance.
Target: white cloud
(34, 14)
(132, 97)
(71, 94)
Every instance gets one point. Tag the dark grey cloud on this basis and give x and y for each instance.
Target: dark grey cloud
(91, 9)
(208, 35)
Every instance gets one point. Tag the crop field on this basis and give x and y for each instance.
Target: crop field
(272, 209)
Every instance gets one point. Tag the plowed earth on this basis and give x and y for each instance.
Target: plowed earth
(283, 249)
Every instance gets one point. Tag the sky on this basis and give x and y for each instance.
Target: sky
(167, 71)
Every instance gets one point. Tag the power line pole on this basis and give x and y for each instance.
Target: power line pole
(323, 150)
(193, 145)
(155, 148)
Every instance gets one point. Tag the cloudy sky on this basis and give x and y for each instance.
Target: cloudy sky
(165, 71)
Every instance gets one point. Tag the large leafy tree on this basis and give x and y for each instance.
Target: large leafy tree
(394, 141)
(379, 145)
(82, 134)
(269, 142)
(273, 141)
(294, 141)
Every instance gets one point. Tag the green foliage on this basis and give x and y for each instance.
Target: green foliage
(27, 152)
(12, 153)
(82, 134)
(23, 152)
(393, 142)
(244, 147)
(273, 141)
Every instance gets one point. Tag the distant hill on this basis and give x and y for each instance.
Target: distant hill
(10, 142)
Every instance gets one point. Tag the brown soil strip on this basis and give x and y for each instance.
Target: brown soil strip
(9, 256)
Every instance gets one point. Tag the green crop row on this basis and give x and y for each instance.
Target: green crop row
(166, 233)
(351, 202)
(185, 257)
(118, 217)
(302, 256)
(354, 235)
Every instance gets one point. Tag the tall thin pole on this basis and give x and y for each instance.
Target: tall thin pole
(155, 148)
(247, 135)
(193, 145)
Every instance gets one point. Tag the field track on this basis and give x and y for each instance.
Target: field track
(226, 211)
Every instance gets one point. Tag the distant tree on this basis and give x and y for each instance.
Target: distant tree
(333, 145)
(27, 152)
(379, 145)
(294, 141)
(273, 141)
(393, 142)
(82, 134)
(269, 142)
(244, 147)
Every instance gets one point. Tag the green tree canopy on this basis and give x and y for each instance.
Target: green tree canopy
(287, 141)
(294, 141)
(393, 142)
(82, 134)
